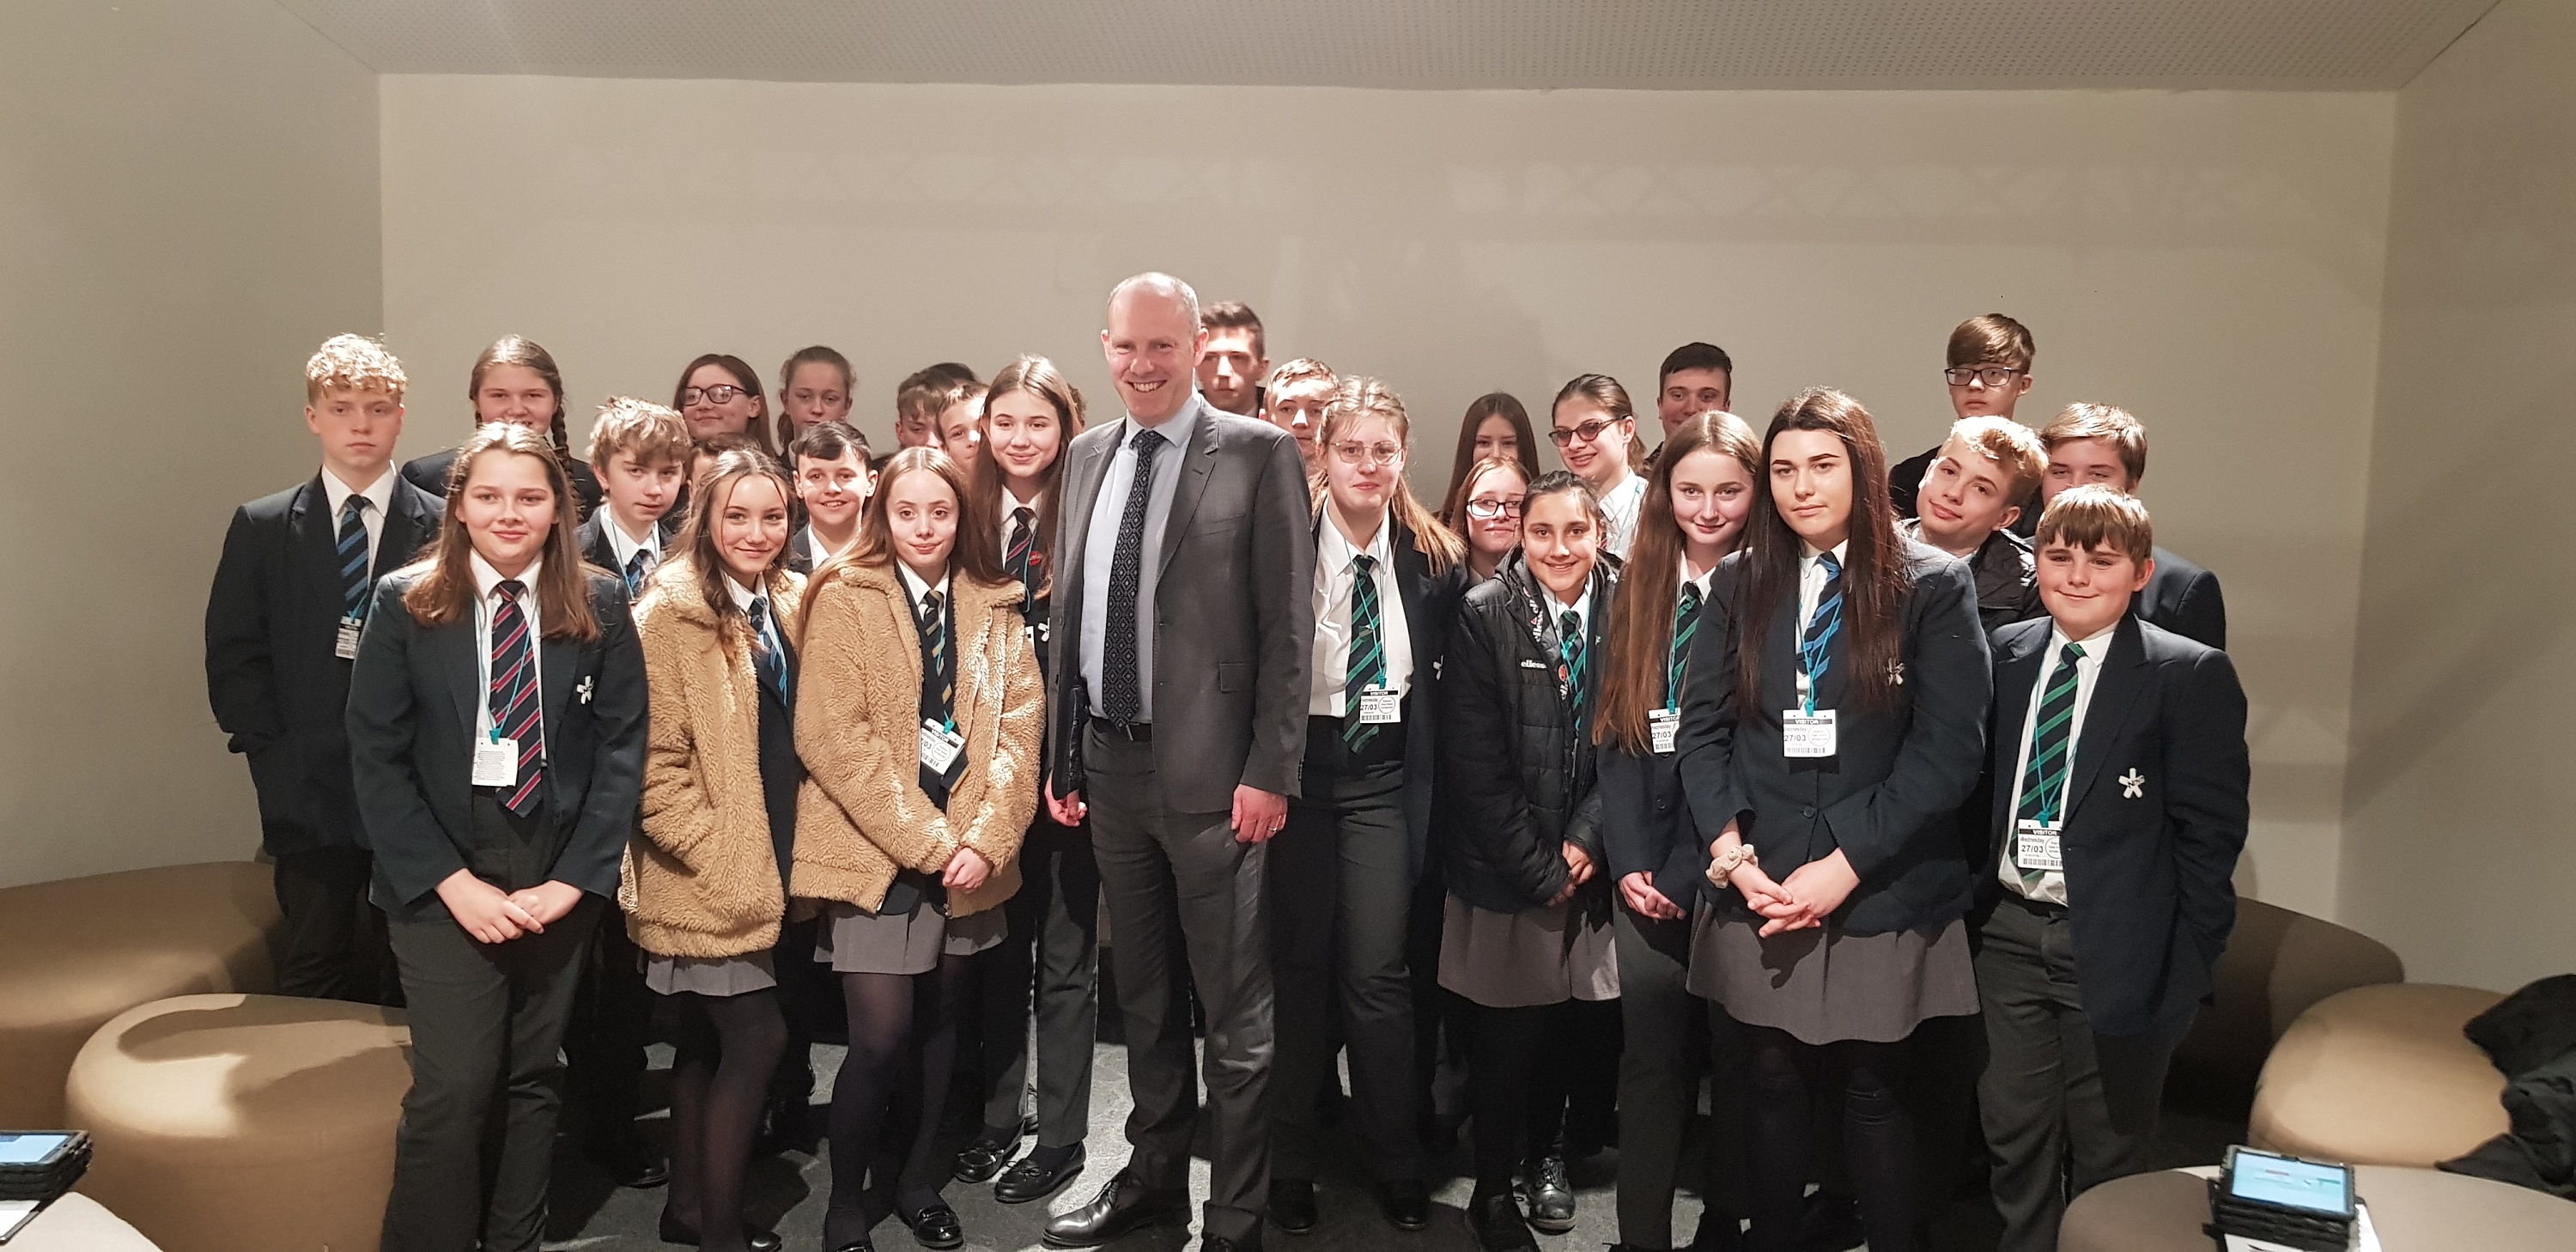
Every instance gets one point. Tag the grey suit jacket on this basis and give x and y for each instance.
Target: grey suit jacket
(1233, 622)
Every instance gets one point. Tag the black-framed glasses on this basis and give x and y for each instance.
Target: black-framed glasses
(1488, 510)
(1990, 375)
(721, 393)
(1351, 452)
(1587, 432)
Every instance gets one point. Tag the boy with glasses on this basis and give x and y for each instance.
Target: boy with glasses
(1988, 373)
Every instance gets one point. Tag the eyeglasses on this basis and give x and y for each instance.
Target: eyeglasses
(1990, 375)
(1349, 453)
(718, 394)
(1587, 432)
(1488, 510)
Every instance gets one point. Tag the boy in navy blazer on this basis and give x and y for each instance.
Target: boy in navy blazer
(2118, 810)
(290, 595)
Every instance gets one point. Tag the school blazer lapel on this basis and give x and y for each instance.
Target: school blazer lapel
(452, 651)
(2115, 690)
(560, 661)
(1197, 461)
(415, 519)
(315, 540)
(1412, 581)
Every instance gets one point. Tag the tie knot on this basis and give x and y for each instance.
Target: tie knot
(1367, 564)
(759, 611)
(1569, 624)
(1024, 515)
(511, 589)
(1145, 440)
(929, 605)
(1690, 595)
(2070, 653)
(355, 505)
(1833, 568)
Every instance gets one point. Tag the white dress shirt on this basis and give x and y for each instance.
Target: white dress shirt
(1336, 577)
(2088, 667)
(487, 601)
(625, 547)
(379, 495)
(743, 598)
(1619, 508)
(1012, 504)
(1100, 547)
(1556, 609)
(915, 591)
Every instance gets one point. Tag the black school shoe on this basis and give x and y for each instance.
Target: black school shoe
(1292, 1205)
(984, 1156)
(935, 1227)
(1551, 1195)
(1406, 1203)
(1496, 1222)
(1037, 1175)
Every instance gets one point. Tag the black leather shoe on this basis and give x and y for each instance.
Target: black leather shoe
(1027, 1179)
(1125, 1203)
(757, 1240)
(1292, 1205)
(1496, 1221)
(1830, 1223)
(1406, 1203)
(936, 1227)
(633, 1165)
(985, 1155)
(1551, 1196)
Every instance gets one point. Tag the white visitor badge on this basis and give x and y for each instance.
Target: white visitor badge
(1380, 707)
(1663, 726)
(2038, 846)
(1807, 736)
(939, 747)
(347, 647)
(496, 763)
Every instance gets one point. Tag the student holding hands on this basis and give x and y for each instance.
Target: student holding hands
(496, 734)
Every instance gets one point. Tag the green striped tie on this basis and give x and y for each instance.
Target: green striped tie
(1685, 626)
(1368, 654)
(1570, 658)
(2043, 781)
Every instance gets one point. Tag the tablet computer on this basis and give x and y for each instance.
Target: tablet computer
(2301, 1186)
(33, 1148)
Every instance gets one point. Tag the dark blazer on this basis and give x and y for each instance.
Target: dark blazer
(272, 630)
(429, 473)
(414, 694)
(1516, 780)
(2150, 875)
(1890, 797)
(1430, 604)
(598, 549)
(1234, 620)
(1646, 825)
(2183, 598)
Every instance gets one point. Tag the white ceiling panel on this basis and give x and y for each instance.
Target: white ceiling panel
(1433, 44)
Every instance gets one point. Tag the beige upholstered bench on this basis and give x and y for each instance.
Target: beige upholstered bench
(2381, 1076)
(2413, 1210)
(77, 1223)
(83, 950)
(233, 1123)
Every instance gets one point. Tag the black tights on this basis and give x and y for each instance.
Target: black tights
(894, 1018)
(1516, 1085)
(1878, 1134)
(727, 1048)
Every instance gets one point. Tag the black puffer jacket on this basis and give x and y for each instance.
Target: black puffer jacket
(1515, 780)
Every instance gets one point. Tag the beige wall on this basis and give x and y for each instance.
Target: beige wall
(2460, 794)
(188, 194)
(2210, 260)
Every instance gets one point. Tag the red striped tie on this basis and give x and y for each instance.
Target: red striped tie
(516, 708)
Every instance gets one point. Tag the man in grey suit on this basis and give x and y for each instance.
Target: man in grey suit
(1183, 559)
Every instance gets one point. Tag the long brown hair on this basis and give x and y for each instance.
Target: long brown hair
(1039, 377)
(445, 591)
(1358, 397)
(757, 428)
(1500, 404)
(1874, 575)
(523, 351)
(1641, 636)
(976, 557)
(698, 539)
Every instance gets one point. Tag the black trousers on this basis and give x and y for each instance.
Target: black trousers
(1671, 1039)
(476, 1142)
(1341, 881)
(611, 1018)
(333, 945)
(1185, 905)
(1052, 959)
(2065, 1109)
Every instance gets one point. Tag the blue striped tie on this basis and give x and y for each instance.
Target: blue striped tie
(1367, 667)
(638, 567)
(354, 582)
(2043, 781)
(1815, 647)
(768, 653)
(516, 708)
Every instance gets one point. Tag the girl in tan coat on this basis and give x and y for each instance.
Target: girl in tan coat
(920, 715)
(704, 888)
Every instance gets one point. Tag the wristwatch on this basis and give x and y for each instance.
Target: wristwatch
(1723, 866)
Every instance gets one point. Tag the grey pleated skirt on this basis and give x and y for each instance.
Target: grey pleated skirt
(1522, 960)
(1821, 984)
(709, 976)
(854, 941)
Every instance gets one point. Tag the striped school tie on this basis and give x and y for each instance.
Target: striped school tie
(352, 545)
(1019, 556)
(1367, 666)
(1570, 657)
(1685, 628)
(638, 567)
(934, 655)
(516, 709)
(2043, 781)
(768, 653)
(1815, 647)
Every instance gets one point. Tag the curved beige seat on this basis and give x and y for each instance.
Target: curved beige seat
(233, 1123)
(83, 950)
(2381, 1076)
(77, 1223)
(2414, 1210)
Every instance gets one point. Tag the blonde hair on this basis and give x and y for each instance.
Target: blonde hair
(647, 431)
(2126, 435)
(1304, 369)
(2099, 517)
(353, 363)
(1355, 398)
(2011, 446)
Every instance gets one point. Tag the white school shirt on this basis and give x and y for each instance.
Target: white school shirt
(743, 598)
(379, 495)
(487, 600)
(915, 591)
(624, 548)
(1619, 507)
(2088, 667)
(1556, 609)
(1012, 504)
(814, 545)
(1336, 577)
(1811, 589)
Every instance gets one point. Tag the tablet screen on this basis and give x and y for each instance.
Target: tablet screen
(2304, 1185)
(28, 1149)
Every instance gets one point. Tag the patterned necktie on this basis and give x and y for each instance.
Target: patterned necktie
(638, 567)
(1815, 647)
(352, 545)
(2043, 781)
(1019, 556)
(1367, 666)
(938, 690)
(1570, 655)
(768, 652)
(1685, 628)
(516, 708)
(1122, 698)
